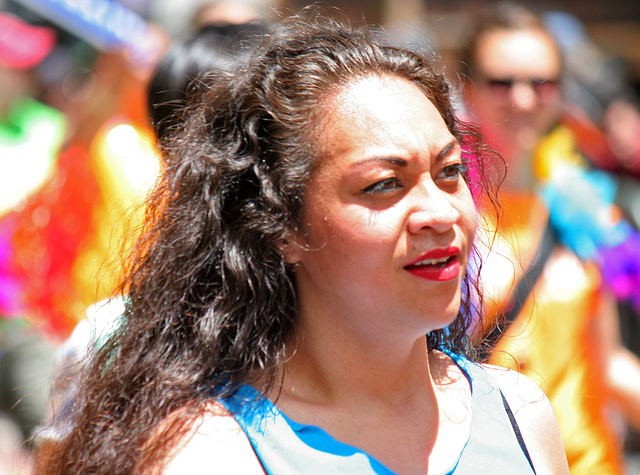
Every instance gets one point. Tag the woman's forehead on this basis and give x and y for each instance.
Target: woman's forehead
(377, 100)
(378, 115)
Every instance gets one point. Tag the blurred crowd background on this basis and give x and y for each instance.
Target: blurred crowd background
(78, 154)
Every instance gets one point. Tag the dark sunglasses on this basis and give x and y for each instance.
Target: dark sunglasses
(540, 86)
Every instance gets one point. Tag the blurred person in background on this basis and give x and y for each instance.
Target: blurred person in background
(217, 46)
(182, 19)
(54, 100)
(120, 143)
(53, 239)
(225, 12)
(123, 149)
(602, 112)
(622, 128)
(48, 227)
(601, 105)
(546, 275)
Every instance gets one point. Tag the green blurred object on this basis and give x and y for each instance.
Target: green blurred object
(31, 135)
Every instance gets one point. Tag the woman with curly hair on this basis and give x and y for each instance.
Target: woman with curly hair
(299, 301)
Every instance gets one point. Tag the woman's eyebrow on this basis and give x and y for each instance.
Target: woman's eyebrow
(447, 149)
(399, 162)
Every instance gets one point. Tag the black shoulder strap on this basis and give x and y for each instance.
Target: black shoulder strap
(523, 288)
(516, 430)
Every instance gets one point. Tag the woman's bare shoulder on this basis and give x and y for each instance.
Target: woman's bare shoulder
(535, 417)
(216, 444)
(519, 389)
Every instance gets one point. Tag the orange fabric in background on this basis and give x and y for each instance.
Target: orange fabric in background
(551, 340)
(125, 164)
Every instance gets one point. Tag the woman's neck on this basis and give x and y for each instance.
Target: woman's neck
(410, 410)
(334, 367)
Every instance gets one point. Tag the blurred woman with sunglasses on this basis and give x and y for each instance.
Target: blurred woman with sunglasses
(560, 323)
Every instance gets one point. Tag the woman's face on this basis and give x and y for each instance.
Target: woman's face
(389, 220)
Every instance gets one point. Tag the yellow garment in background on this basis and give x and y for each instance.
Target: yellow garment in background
(555, 151)
(552, 341)
(126, 164)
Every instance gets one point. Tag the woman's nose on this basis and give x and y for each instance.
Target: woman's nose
(432, 208)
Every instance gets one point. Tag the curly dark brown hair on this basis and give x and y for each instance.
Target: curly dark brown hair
(210, 301)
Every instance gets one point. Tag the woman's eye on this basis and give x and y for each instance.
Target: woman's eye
(453, 171)
(383, 186)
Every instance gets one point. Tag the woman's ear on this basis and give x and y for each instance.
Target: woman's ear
(290, 250)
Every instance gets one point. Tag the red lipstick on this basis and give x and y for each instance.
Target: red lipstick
(438, 265)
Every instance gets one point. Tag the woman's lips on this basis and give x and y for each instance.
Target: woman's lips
(439, 265)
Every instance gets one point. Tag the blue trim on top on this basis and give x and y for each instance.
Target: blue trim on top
(311, 435)
(251, 409)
